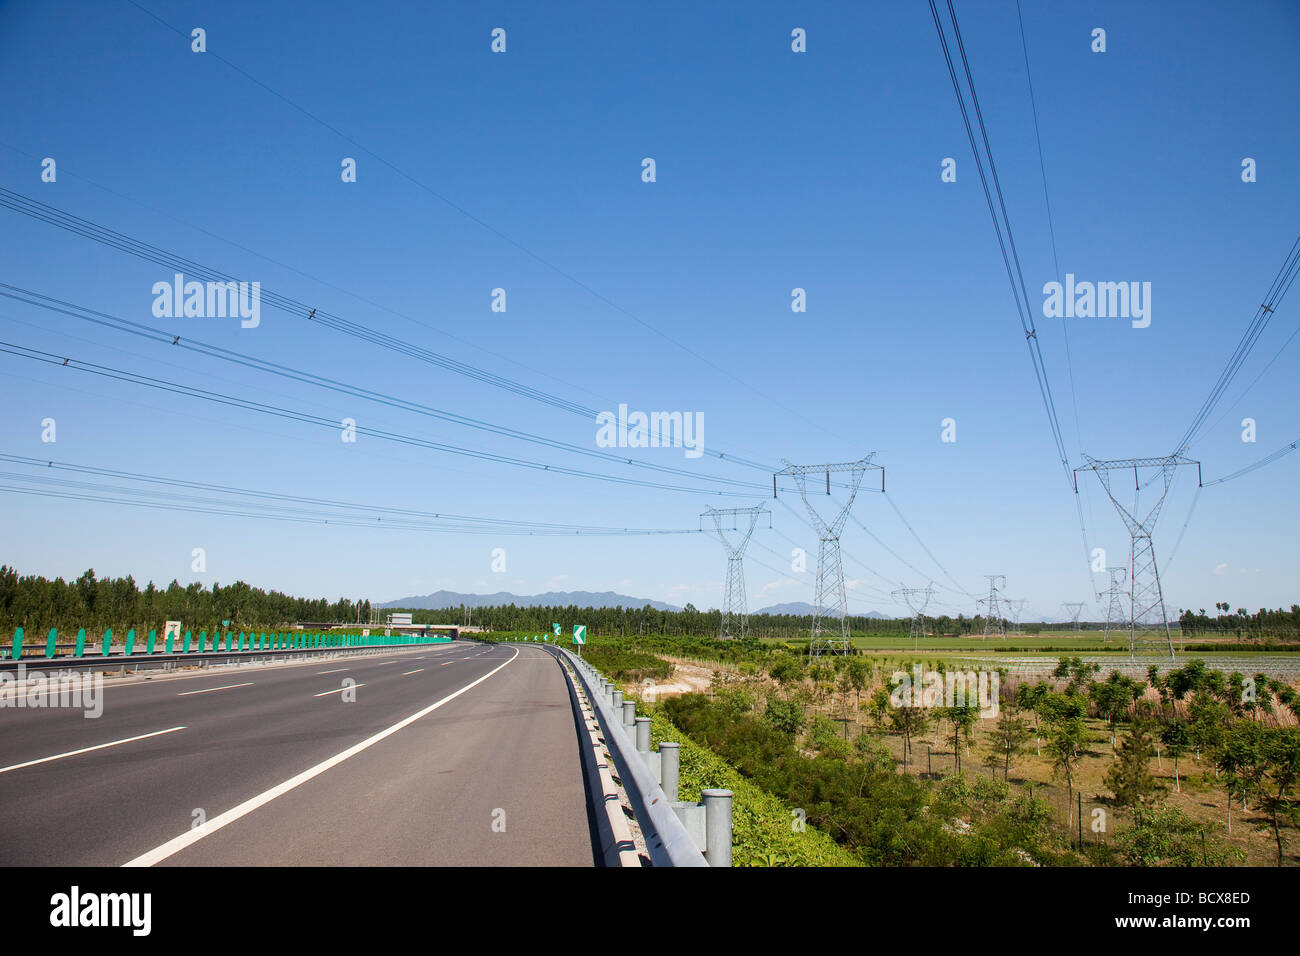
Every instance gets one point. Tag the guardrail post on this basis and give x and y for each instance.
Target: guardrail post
(629, 718)
(616, 698)
(717, 826)
(643, 735)
(670, 756)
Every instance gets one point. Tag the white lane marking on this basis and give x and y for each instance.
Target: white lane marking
(86, 750)
(173, 846)
(209, 690)
(334, 671)
(416, 671)
(382, 663)
(338, 690)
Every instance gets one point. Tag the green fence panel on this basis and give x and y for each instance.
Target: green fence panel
(130, 641)
(243, 641)
(18, 643)
(81, 642)
(170, 642)
(108, 641)
(188, 638)
(51, 642)
(151, 640)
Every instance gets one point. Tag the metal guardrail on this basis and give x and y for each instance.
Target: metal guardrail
(147, 660)
(676, 833)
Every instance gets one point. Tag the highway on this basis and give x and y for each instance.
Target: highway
(454, 754)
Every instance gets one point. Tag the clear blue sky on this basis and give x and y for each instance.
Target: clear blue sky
(775, 170)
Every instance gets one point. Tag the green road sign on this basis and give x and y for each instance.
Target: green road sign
(580, 633)
(557, 629)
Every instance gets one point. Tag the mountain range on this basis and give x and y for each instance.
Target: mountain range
(439, 600)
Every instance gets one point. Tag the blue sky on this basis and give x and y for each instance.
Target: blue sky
(775, 170)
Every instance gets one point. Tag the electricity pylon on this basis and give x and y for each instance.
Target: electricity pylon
(993, 607)
(1074, 609)
(1115, 602)
(831, 599)
(1016, 606)
(735, 609)
(917, 599)
(1146, 600)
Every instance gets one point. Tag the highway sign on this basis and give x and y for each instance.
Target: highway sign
(580, 633)
(556, 628)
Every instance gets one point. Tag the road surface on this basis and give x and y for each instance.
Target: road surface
(454, 754)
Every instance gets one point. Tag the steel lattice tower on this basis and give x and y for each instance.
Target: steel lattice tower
(993, 607)
(1115, 604)
(735, 610)
(1146, 600)
(1016, 607)
(831, 599)
(1074, 609)
(917, 599)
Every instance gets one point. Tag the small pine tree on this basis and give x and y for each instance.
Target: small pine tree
(1130, 777)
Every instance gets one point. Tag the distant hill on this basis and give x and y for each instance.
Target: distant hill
(439, 600)
(803, 609)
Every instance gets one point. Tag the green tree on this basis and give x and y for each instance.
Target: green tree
(1130, 777)
(1011, 732)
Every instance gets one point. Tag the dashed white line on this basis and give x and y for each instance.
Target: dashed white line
(416, 671)
(338, 690)
(209, 690)
(160, 853)
(86, 750)
(334, 671)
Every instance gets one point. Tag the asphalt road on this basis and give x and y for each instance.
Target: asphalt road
(453, 754)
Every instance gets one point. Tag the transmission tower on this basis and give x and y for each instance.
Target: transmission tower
(1074, 609)
(917, 599)
(831, 599)
(1016, 607)
(993, 606)
(735, 609)
(1115, 603)
(1146, 600)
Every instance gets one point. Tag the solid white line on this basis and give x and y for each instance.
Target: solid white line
(334, 671)
(160, 853)
(209, 690)
(338, 690)
(416, 671)
(86, 750)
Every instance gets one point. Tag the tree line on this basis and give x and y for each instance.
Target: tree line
(32, 601)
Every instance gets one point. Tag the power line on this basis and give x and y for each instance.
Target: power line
(1024, 308)
(150, 253)
(188, 343)
(1266, 460)
(343, 507)
(1277, 291)
(50, 358)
